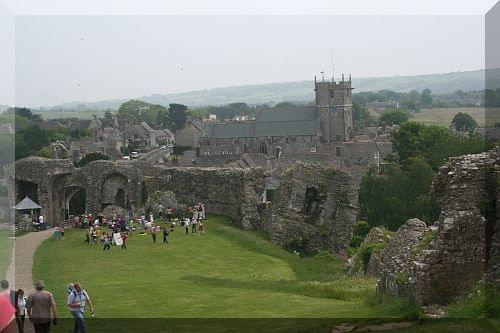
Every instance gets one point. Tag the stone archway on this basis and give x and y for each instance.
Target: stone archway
(115, 191)
(69, 202)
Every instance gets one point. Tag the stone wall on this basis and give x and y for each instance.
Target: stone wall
(314, 209)
(462, 248)
(230, 192)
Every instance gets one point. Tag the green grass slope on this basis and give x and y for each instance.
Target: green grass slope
(226, 273)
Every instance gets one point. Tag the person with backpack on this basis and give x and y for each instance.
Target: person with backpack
(77, 300)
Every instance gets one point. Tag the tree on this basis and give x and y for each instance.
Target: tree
(176, 116)
(463, 121)
(89, 158)
(426, 98)
(361, 116)
(433, 143)
(46, 152)
(136, 111)
(394, 116)
(285, 105)
(401, 194)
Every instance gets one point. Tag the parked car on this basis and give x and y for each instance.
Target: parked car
(134, 154)
(126, 158)
(163, 147)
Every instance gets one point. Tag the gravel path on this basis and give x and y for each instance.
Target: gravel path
(19, 272)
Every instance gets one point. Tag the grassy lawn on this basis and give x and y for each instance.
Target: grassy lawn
(196, 280)
(226, 273)
(5, 251)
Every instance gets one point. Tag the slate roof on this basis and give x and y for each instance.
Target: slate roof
(140, 131)
(271, 122)
(27, 204)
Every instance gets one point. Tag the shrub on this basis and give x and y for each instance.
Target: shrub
(356, 241)
(361, 229)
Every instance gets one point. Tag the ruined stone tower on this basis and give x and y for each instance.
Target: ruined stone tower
(334, 107)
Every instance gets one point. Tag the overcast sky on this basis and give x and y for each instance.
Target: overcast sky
(85, 58)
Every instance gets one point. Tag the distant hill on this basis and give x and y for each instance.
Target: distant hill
(295, 91)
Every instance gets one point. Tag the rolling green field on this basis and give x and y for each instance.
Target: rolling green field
(444, 116)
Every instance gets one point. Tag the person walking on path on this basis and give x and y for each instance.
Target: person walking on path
(21, 310)
(77, 300)
(39, 306)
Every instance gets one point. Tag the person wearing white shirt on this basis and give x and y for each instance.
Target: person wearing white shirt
(186, 225)
(77, 299)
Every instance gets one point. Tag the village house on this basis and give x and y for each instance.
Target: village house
(189, 135)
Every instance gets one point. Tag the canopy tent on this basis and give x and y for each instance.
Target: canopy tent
(27, 204)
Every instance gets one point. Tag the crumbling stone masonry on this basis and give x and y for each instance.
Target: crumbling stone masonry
(314, 209)
(52, 183)
(230, 192)
(464, 248)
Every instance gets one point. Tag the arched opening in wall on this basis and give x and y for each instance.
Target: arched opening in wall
(26, 189)
(77, 202)
(114, 191)
(312, 201)
(120, 198)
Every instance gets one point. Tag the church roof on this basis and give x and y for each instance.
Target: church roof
(271, 122)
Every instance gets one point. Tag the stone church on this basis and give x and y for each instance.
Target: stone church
(296, 130)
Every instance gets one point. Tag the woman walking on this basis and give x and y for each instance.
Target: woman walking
(21, 310)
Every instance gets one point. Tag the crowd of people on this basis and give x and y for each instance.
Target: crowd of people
(116, 230)
(40, 308)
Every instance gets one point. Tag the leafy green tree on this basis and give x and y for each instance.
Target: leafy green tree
(394, 116)
(80, 133)
(89, 158)
(426, 98)
(31, 139)
(433, 143)
(136, 111)
(402, 193)
(285, 105)
(131, 112)
(176, 116)
(362, 117)
(46, 152)
(464, 121)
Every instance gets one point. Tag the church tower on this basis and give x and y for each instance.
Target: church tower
(334, 109)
